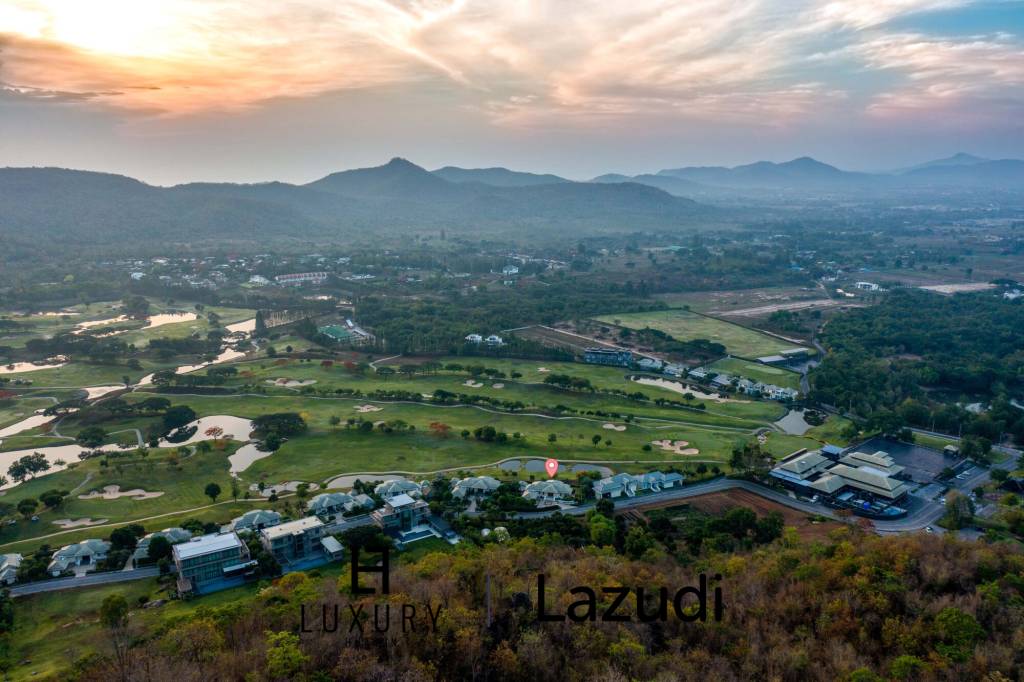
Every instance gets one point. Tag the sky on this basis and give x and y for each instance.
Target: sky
(173, 91)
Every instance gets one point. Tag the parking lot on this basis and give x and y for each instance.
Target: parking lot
(922, 464)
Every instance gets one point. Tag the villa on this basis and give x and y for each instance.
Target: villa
(212, 562)
(295, 540)
(86, 553)
(254, 520)
(9, 564)
(329, 504)
(398, 486)
(630, 485)
(173, 536)
(547, 492)
(475, 486)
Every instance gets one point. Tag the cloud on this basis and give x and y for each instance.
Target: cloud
(520, 63)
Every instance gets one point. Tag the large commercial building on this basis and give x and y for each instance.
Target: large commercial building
(608, 356)
(871, 484)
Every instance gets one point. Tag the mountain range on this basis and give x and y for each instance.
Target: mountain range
(39, 204)
(54, 204)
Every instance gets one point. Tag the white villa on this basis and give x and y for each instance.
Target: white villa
(85, 553)
(475, 486)
(398, 486)
(548, 492)
(329, 504)
(9, 564)
(630, 485)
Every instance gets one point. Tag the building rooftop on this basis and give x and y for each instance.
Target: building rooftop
(206, 544)
(292, 527)
(401, 500)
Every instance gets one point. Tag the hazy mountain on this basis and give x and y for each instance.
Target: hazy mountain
(958, 159)
(497, 177)
(52, 204)
(802, 172)
(396, 179)
(679, 187)
(1004, 174)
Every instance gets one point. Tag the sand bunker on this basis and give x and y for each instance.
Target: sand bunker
(289, 383)
(368, 408)
(613, 427)
(233, 428)
(543, 369)
(78, 523)
(113, 492)
(94, 392)
(676, 446)
(677, 387)
(472, 384)
(498, 386)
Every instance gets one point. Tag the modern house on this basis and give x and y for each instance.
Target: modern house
(9, 564)
(173, 536)
(547, 492)
(397, 486)
(208, 562)
(650, 364)
(329, 504)
(84, 554)
(254, 520)
(608, 356)
(475, 486)
(630, 485)
(294, 540)
(400, 514)
(494, 340)
(510, 270)
(474, 338)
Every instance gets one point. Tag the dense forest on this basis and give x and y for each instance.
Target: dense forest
(852, 607)
(916, 354)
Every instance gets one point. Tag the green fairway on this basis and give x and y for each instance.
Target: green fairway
(755, 371)
(684, 325)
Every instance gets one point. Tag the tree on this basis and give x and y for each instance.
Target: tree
(385, 372)
(595, 439)
(235, 490)
(959, 511)
(177, 416)
(302, 492)
(284, 658)
(602, 530)
(212, 490)
(53, 498)
(159, 548)
(27, 507)
(114, 617)
(334, 421)
(957, 631)
(91, 436)
(638, 541)
(440, 429)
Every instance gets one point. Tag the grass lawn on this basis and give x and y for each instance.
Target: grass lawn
(684, 325)
(755, 371)
(831, 431)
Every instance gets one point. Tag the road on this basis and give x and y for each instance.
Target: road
(88, 580)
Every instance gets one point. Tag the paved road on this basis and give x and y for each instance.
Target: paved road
(88, 580)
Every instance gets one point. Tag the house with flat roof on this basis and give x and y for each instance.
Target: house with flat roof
(209, 561)
(254, 520)
(9, 564)
(83, 555)
(400, 513)
(294, 540)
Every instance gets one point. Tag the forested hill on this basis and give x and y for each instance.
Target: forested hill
(57, 205)
(855, 607)
(927, 349)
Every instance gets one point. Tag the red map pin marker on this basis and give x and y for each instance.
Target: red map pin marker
(552, 467)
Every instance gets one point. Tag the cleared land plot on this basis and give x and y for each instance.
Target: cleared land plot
(761, 311)
(684, 325)
(719, 503)
(736, 299)
(556, 338)
(963, 287)
(755, 371)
